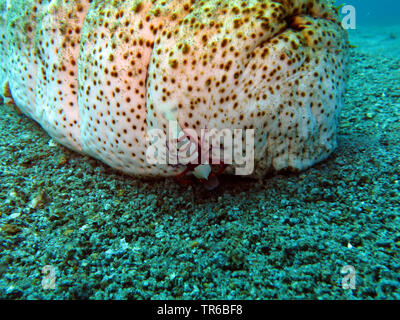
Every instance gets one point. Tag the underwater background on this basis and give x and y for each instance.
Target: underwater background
(104, 235)
(372, 12)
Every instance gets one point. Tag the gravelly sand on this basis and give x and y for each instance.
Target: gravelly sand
(287, 236)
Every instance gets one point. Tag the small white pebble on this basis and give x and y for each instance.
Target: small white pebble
(84, 227)
(349, 245)
(15, 215)
(52, 143)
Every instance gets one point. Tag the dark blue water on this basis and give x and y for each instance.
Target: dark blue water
(375, 12)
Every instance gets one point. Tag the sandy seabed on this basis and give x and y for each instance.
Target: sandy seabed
(109, 236)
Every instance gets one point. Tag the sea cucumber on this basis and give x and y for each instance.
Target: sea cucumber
(98, 75)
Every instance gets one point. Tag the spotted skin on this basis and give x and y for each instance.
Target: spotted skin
(98, 75)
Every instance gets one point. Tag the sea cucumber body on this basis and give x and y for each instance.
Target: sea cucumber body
(98, 75)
